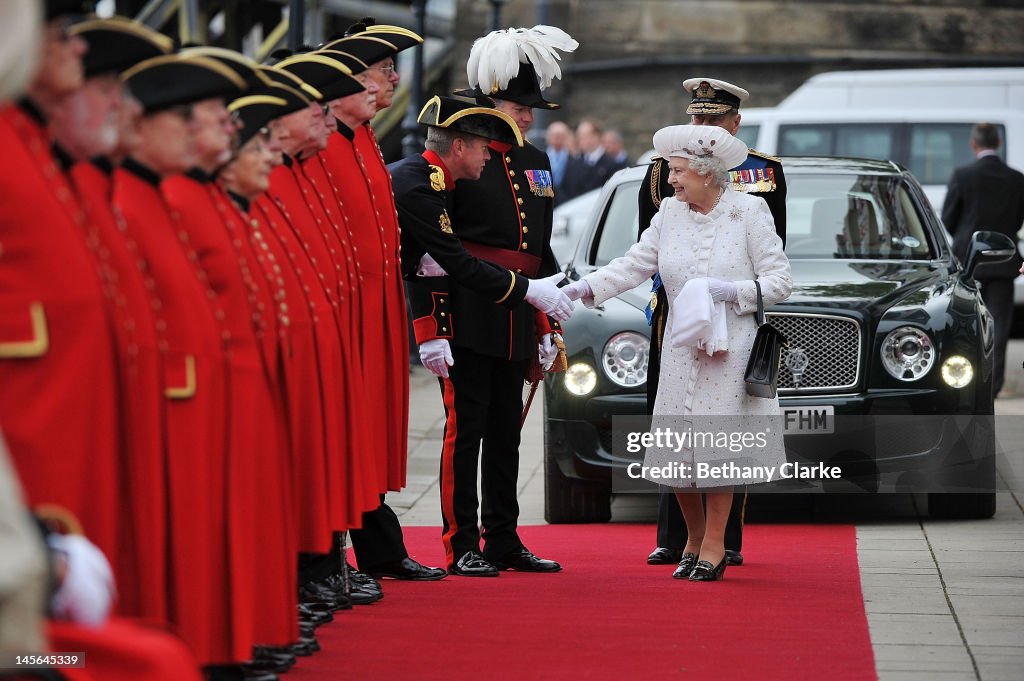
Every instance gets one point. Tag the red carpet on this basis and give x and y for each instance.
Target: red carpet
(794, 611)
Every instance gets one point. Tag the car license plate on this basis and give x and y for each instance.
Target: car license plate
(809, 420)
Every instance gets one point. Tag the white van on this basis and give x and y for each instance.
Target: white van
(920, 118)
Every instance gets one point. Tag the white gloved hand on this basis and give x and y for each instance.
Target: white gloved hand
(436, 355)
(547, 351)
(545, 295)
(87, 592)
(429, 268)
(578, 289)
(720, 290)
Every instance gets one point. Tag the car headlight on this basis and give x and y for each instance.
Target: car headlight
(907, 353)
(957, 371)
(624, 359)
(580, 379)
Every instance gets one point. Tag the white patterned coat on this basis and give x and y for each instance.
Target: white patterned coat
(735, 242)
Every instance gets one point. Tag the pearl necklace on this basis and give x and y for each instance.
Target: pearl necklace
(714, 205)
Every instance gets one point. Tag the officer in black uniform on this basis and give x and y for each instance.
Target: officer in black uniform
(504, 218)
(714, 102)
(457, 149)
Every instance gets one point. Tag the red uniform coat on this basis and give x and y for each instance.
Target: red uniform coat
(205, 611)
(141, 567)
(260, 510)
(362, 187)
(58, 382)
(300, 382)
(310, 227)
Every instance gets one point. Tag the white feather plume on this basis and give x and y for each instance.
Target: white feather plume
(494, 59)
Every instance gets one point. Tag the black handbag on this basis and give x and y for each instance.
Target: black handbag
(762, 374)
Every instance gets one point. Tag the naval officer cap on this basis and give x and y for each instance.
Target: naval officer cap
(712, 96)
(704, 142)
(469, 117)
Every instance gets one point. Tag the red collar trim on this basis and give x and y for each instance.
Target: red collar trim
(499, 147)
(435, 160)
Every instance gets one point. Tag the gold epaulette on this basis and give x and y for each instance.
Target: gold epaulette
(656, 196)
(763, 155)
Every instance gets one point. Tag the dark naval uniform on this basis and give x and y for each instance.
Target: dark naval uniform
(505, 219)
(760, 175)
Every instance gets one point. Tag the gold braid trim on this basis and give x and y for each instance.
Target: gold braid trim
(511, 286)
(655, 183)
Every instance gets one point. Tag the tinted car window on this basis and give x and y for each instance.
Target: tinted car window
(853, 217)
(930, 150)
(936, 149)
(619, 224)
(748, 133)
(866, 140)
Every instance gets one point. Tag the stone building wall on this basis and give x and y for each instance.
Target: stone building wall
(634, 54)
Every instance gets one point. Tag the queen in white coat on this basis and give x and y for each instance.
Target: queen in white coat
(726, 239)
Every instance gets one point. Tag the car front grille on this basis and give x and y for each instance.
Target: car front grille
(823, 352)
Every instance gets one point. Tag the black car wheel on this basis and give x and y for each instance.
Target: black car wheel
(570, 500)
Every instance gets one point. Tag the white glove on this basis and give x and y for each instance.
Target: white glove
(720, 290)
(436, 355)
(545, 295)
(429, 268)
(87, 592)
(547, 351)
(578, 289)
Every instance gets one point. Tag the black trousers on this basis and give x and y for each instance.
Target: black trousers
(483, 406)
(998, 297)
(380, 539)
(672, 527)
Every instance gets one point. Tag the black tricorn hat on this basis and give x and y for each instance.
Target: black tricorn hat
(290, 80)
(354, 64)
(368, 49)
(469, 117)
(172, 80)
(57, 8)
(524, 88)
(329, 76)
(117, 44)
(255, 111)
(401, 38)
(246, 68)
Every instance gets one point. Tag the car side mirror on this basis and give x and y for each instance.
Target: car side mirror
(988, 248)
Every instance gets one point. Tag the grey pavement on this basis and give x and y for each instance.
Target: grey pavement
(944, 599)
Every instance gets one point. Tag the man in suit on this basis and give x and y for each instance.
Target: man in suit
(989, 195)
(592, 166)
(713, 102)
(559, 140)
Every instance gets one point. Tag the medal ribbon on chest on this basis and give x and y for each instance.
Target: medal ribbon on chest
(540, 183)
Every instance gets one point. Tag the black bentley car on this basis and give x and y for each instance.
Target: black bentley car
(889, 361)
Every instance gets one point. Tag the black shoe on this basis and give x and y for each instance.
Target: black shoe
(704, 571)
(315, 594)
(362, 595)
(734, 557)
(361, 578)
(408, 569)
(315, 613)
(304, 647)
(524, 561)
(686, 563)
(472, 564)
(663, 556)
(271, 659)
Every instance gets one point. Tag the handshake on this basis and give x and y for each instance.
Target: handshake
(543, 294)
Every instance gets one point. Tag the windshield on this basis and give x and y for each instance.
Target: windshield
(853, 217)
(828, 216)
